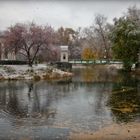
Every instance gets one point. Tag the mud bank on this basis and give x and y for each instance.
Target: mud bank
(130, 131)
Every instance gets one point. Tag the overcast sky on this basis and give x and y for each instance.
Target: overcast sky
(67, 13)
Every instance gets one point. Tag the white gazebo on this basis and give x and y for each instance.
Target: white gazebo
(64, 53)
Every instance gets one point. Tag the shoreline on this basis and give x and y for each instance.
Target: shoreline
(37, 72)
(129, 131)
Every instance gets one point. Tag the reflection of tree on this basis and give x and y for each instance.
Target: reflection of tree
(13, 106)
(98, 73)
(124, 100)
(29, 99)
(88, 74)
(9, 98)
(30, 88)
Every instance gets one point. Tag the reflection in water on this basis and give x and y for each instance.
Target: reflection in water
(92, 99)
(9, 101)
(125, 99)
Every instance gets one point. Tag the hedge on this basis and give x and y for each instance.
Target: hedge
(13, 62)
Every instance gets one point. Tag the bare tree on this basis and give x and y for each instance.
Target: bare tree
(65, 36)
(28, 40)
(134, 14)
(90, 40)
(96, 37)
(70, 37)
(101, 29)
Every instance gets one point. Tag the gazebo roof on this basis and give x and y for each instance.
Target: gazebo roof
(64, 48)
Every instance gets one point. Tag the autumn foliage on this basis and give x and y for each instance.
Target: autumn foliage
(88, 54)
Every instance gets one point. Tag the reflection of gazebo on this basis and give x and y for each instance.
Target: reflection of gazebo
(64, 53)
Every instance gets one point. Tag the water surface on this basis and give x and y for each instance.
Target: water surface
(93, 98)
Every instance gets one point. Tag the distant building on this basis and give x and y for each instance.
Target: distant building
(4, 54)
(64, 53)
(1, 47)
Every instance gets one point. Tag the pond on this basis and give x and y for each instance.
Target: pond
(93, 98)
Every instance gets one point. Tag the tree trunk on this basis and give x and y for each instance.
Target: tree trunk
(30, 63)
(29, 59)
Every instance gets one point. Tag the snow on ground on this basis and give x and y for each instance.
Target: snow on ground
(26, 72)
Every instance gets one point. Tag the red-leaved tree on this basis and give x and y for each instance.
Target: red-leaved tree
(28, 40)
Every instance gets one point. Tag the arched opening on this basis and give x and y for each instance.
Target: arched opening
(64, 56)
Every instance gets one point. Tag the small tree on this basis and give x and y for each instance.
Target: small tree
(88, 54)
(28, 39)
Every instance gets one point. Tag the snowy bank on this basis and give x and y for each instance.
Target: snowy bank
(37, 72)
